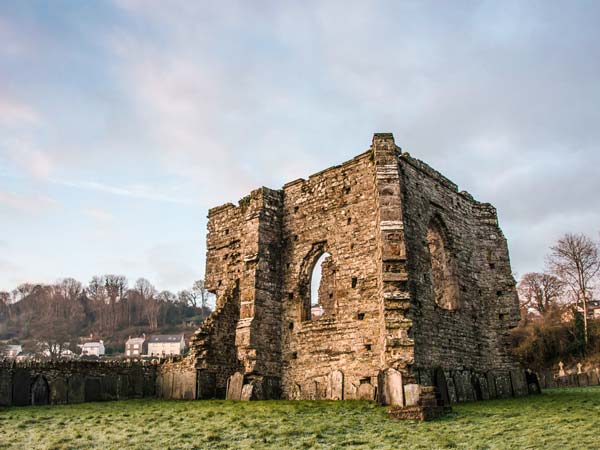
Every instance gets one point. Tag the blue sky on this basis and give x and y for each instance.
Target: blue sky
(122, 122)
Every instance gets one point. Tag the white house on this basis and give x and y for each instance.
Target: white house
(93, 348)
(166, 344)
(135, 346)
(12, 350)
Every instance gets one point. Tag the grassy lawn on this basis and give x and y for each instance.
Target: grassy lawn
(558, 419)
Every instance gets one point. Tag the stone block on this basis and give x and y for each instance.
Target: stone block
(390, 387)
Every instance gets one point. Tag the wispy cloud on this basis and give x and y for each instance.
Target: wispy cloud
(30, 204)
(99, 215)
(132, 191)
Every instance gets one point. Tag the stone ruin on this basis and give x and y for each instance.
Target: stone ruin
(415, 302)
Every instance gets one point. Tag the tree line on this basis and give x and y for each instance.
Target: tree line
(56, 315)
(556, 304)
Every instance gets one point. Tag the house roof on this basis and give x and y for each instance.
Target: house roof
(136, 340)
(13, 347)
(93, 344)
(165, 338)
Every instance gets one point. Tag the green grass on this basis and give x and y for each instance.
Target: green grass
(558, 419)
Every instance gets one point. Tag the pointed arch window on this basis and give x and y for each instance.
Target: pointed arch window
(443, 273)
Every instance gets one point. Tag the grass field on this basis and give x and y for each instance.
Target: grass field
(558, 419)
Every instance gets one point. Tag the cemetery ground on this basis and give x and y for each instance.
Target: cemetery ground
(560, 418)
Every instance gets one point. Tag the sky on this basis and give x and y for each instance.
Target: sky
(122, 122)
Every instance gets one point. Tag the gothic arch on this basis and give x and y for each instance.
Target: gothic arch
(444, 282)
(318, 254)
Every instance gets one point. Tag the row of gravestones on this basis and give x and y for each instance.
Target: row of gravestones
(591, 378)
(21, 388)
(456, 386)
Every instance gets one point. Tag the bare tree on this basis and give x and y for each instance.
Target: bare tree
(540, 291)
(199, 289)
(150, 306)
(575, 259)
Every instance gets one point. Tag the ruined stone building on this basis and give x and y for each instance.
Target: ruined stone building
(416, 289)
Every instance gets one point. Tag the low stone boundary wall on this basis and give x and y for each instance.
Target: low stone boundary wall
(550, 380)
(60, 382)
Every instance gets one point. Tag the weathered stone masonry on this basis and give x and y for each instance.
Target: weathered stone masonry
(419, 289)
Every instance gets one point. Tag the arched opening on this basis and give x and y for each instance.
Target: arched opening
(443, 278)
(322, 287)
(40, 392)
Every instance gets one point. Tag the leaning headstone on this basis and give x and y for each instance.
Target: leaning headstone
(247, 390)
(58, 391)
(234, 386)
(21, 394)
(390, 387)
(519, 383)
(366, 391)
(76, 389)
(40, 394)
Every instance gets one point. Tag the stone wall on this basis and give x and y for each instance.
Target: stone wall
(62, 382)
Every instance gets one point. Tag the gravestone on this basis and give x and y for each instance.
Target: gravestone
(40, 393)
(582, 379)
(533, 384)
(561, 369)
(206, 385)
(593, 378)
(93, 390)
(321, 388)
(122, 386)
(59, 393)
(391, 391)
(503, 385)
(234, 386)
(21, 395)
(412, 392)
(247, 390)
(366, 391)
(76, 389)
(518, 382)
(441, 385)
(5, 387)
(451, 387)
(336, 386)
(491, 382)
(109, 387)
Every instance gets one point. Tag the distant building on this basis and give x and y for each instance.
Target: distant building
(136, 346)
(166, 344)
(93, 348)
(12, 350)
